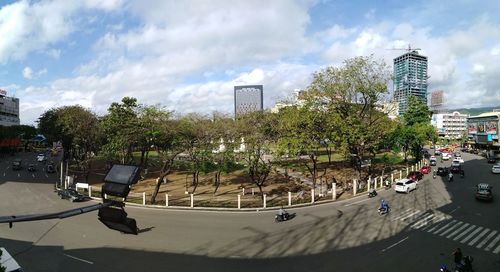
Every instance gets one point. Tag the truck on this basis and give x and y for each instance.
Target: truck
(8, 262)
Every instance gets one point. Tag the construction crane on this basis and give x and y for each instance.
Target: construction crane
(409, 49)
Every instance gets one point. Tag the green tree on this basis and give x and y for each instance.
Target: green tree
(350, 94)
(122, 130)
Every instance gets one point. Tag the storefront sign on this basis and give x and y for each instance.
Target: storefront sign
(491, 127)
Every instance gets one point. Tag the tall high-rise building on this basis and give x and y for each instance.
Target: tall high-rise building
(248, 98)
(410, 78)
(9, 110)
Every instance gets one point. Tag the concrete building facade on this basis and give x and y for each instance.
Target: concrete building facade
(410, 78)
(248, 98)
(483, 129)
(450, 125)
(9, 110)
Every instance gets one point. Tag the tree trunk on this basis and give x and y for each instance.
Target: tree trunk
(196, 179)
(217, 180)
(329, 154)
(165, 170)
(141, 163)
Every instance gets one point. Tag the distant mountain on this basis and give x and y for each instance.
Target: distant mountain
(475, 111)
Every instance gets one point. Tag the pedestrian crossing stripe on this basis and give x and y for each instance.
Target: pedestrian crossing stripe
(465, 233)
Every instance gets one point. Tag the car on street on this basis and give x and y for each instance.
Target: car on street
(483, 192)
(31, 167)
(17, 164)
(415, 176)
(495, 169)
(442, 171)
(437, 152)
(456, 169)
(455, 163)
(492, 160)
(446, 156)
(405, 186)
(433, 161)
(426, 169)
(70, 194)
(459, 159)
(41, 157)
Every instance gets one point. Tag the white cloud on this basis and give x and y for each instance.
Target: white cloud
(27, 73)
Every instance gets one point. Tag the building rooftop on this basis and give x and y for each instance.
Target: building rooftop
(487, 114)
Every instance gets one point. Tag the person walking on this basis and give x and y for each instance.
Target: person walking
(457, 256)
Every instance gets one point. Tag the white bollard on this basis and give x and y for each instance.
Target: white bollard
(312, 195)
(239, 202)
(289, 198)
(407, 171)
(381, 182)
(334, 191)
(243, 191)
(192, 200)
(374, 183)
(354, 187)
(392, 178)
(166, 200)
(264, 204)
(143, 198)
(252, 191)
(90, 191)
(369, 184)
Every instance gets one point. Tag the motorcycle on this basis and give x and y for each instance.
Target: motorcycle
(283, 217)
(382, 211)
(372, 194)
(465, 265)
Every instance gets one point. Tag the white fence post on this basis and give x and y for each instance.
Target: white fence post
(90, 191)
(369, 184)
(381, 181)
(312, 195)
(400, 174)
(192, 200)
(392, 178)
(374, 183)
(143, 198)
(334, 191)
(354, 187)
(407, 171)
(264, 205)
(289, 198)
(166, 200)
(239, 202)
(252, 191)
(243, 191)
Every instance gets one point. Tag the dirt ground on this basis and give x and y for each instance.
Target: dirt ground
(179, 186)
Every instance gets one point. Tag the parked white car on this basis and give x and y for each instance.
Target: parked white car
(495, 169)
(446, 156)
(405, 186)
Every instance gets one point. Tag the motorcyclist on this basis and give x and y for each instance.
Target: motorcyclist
(462, 173)
(282, 214)
(384, 207)
(450, 176)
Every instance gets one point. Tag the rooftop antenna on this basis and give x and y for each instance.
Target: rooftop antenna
(408, 49)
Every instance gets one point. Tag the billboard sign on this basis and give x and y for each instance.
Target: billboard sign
(491, 127)
(472, 127)
(480, 127)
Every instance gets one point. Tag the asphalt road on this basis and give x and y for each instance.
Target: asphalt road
(419, 234)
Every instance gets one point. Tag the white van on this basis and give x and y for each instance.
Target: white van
(7, 261)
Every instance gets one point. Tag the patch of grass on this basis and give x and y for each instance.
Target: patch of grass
(389, 157)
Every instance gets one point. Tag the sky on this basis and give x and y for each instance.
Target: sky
(187, 56)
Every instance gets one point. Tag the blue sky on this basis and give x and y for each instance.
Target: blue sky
(188, 55)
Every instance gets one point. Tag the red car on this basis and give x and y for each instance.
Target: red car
(415, 176)
(426, 169)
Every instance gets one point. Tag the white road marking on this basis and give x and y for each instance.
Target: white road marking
(76, 258)
(458, 230)
(480, 245)
(455, 209)
(490, 246)
(451, 228)
(497, 249)
(422, 222)
(444, 227)
(402, 214)
(411, 214)
(395, 244)
(478, 237)
(463, 233)
(471, 234)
